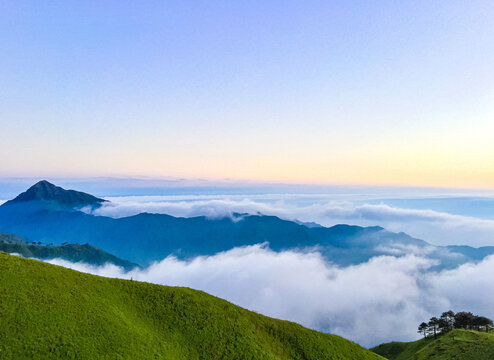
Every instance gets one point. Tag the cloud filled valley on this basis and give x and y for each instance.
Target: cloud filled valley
(380, 300)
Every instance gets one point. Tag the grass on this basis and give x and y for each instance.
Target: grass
(455, 345)
(49, 312)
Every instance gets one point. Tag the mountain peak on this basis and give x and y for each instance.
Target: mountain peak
(46, 191)
(42, 187)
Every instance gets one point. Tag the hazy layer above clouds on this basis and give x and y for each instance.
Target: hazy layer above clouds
(436, 227)
(381, 300)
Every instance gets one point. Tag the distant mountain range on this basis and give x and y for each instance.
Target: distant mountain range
(49, 214)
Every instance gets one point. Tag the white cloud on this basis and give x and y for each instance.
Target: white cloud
(468, 287)
(381, 300)
(107, 270)
(436, 227)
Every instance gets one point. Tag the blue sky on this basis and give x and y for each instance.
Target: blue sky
(339, 92)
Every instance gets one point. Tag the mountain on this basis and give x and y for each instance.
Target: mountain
(151, 237)
(71, 252)
(47, 192)
(12, 239)
(456, 344)
(53, 312)
(145, 237)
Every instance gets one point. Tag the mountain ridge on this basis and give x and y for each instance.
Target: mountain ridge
(146, 237)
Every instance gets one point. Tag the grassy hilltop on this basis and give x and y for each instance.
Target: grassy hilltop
(454, 345)
(48, 311)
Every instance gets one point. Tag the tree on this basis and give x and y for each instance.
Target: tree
(433, 325)
(482, 321)
(446, 321)
(442, 325)
(449, 321)
(464, 320)
(423, 329)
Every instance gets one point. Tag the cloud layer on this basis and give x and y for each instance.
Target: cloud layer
(439, 228)
(381, 300)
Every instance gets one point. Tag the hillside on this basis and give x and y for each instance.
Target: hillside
(457, 345)
(70, 252)
(49, 311)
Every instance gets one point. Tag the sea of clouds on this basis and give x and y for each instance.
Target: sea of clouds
(378, 301)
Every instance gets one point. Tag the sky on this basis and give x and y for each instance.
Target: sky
(359, 112)
(313, 92)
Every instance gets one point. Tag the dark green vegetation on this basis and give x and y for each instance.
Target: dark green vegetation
(151, 237)
(48, 311)
(12, 239)
(455, 345)
(449, 321)
(70, 252)
(45, 191)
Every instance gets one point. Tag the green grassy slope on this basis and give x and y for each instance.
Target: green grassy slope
(457, 345)
(48, 311)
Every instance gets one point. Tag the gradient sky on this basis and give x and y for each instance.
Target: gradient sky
(345, 92)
